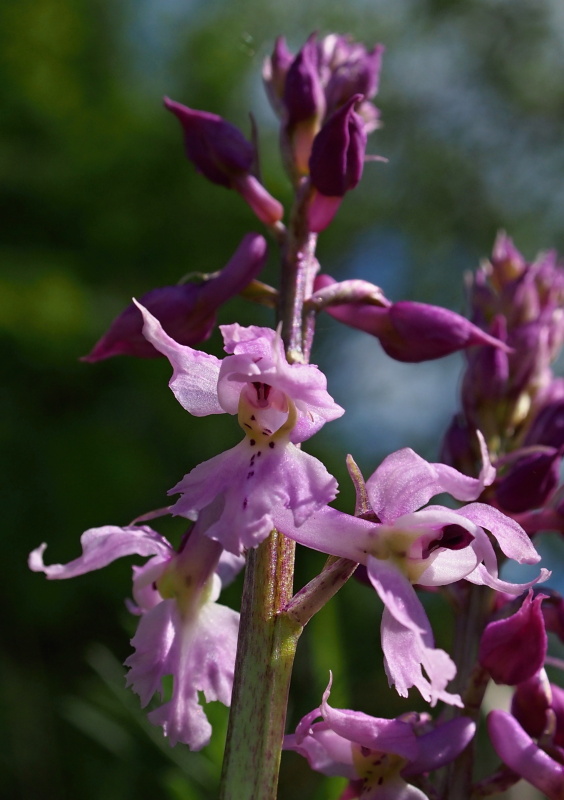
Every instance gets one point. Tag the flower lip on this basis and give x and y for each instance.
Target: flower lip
(452, 537)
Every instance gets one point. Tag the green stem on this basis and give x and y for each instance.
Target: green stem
(265, 656)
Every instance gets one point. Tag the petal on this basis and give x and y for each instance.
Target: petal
(329, 531)
(407, 639)
(199, 653)
(229, 567)
(195, 375)
(101, 546)
(255, 481)
(441, 745)
(521, 754)
(394, 788)
(510, 535)
(404, 482)
(262, 358)
(443, 565)
(482, 577)
(326, 751)
(384, 735)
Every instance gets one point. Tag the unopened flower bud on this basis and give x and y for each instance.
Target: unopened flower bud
(274, 74)
(337, 156)
(220, 152)
(336, 163)
(304, 107)
(187, 312)
(507, 261)
(514, 649)
(530, 703)
(304, 98)
(530, 481)
(458, 446)
(359, 73)
(216, 147)
(548, 426)
(410, 331)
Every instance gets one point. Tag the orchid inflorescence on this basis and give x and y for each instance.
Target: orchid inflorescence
(501, 458)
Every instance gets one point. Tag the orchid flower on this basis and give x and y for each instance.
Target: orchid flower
(277, 405)
(377, 755)
(182, 632)
(434, 546)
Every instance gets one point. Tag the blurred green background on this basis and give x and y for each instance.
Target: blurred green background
(99, 204)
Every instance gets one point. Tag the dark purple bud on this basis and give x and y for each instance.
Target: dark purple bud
(221, 153)
(485, 302)
(217, 149)
(553, 613)
(304, 98)
(358, 74)
(337, 155)
(530, 481)
(274, 74)
(514, 649)
(548, 426)
(458, 446)
(530, 703)
(410, 331)
(186, 312)
(530, 362)
(486, 378)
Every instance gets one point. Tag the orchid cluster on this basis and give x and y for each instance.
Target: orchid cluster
(253, 502)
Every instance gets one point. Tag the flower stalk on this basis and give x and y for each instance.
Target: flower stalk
(266, 649)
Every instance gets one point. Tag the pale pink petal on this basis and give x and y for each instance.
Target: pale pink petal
(258, 354)
(326, 751)
(101, 546)
(329, 531)
(407, 639)
(198, 650)
(383, 735)
(195, 373)
(404, 482)
(253, 481)
(482, 577)
(394, 788)
(511, 537)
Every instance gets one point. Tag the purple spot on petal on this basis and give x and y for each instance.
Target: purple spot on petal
(252, 442)
(245, 501)
(250, 474)
(271, 445)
